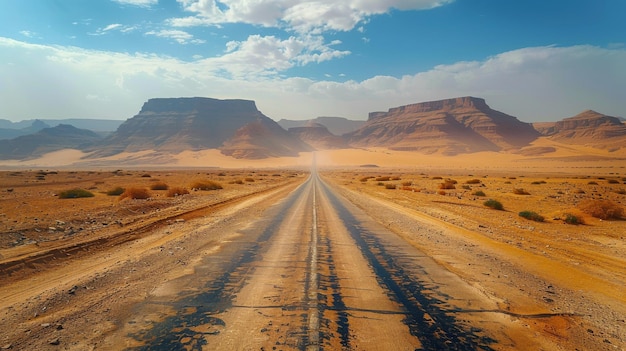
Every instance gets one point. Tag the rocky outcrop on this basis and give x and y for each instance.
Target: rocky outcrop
(451, 126)
(590, 128)
(177, 124)
(335, 125)
(47, 140)
(318, 136)
(263, 138)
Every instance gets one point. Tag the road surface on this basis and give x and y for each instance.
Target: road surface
(314, 273)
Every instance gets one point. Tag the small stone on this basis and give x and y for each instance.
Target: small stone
(7, 346)
(55, 341)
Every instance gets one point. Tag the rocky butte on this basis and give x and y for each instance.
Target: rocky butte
(178, 124)
(451, 126)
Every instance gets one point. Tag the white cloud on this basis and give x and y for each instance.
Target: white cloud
(140, 3)
(114, 27)
(538, 83)
(111, 27)
(28, 34)
(268, 55)
(179, 36)
(299, 15)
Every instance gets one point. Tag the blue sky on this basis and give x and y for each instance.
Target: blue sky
(535, 59)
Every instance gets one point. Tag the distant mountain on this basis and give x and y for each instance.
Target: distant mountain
(263, 138)
(318, 136)
(588, 128)
(179, 124)
(10, 133)
(451, 126)
(47, 140)
(335, 125)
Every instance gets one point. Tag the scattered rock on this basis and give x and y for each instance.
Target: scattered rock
(55, 341)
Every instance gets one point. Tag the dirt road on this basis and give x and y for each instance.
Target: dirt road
(316, 273)
(295, 268)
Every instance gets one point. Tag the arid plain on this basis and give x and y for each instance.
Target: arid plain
(555, 284)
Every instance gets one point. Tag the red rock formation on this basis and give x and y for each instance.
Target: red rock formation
(451, 126)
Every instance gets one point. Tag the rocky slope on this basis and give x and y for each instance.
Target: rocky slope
(589, 128)
(450, 126)
(318, 136)
(178, 124)
(263, 138)
(47, 140)
(335, 125)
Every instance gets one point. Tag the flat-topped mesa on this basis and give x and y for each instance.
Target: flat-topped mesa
(207, 105)
(438, 105)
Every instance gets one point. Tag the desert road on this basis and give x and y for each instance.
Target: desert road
(297, 263)
(313, 273)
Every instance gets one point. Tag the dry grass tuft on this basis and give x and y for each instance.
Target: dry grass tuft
(135, 193)
(75, 193)
(520, 191)
(603, 209)
(206, 185)
(159, 186)
(447, 185)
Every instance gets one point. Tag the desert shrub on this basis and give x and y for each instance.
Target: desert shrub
(75, 193)
(452, 181)
(115, 191)
(390, 186)
(159, 186)
(520, 191)
(613, 181)
(135, 193)
(441, 192)
(146, 175)
(206, 185)
(621, 191)
(537, 182)
(177, 191)
(603, 209)
(249, 180)
(380, 184)
(447, 185)
(533, 216)
(495, 204)
(592, 183)
(473, 181)
(396, 178)
(409, 188)
(479, 193)
(573, 219)
(383, 179)
(238, 181)
(437, 177)
(365, 179)
(466, 187)
(407, 183)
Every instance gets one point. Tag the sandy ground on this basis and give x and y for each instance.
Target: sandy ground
(566, 283)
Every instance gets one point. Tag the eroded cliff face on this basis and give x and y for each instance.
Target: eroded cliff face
(178, 124)
(451, 126)
(590, 128)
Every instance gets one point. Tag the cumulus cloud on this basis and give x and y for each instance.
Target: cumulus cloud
(534, 84)
(179, 36)
(298, 15)
(268, 55)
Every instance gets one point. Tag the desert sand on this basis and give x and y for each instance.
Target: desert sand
(67, 262)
